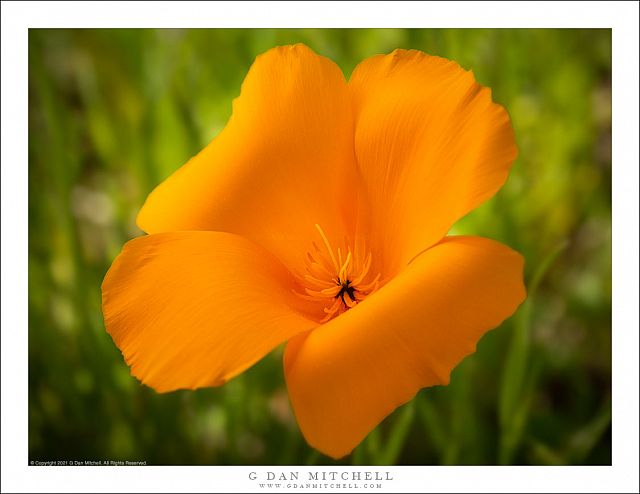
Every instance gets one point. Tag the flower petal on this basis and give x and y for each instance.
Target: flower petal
(348, 375)
(431, 146)
(193, 309)
(284, 162)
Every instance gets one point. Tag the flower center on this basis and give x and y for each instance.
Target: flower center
(337, 280)
(348, 289)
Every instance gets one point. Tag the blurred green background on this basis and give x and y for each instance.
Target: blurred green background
(114, 112)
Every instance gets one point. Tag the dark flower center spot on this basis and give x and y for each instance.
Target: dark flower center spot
(345, 287)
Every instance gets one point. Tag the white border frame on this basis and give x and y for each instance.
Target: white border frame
(622, 17)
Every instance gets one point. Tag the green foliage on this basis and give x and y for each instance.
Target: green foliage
(113, 112)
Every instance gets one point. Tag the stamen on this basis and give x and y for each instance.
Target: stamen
(326, 244)
(365, 270)
(349, 300)
(373, 285)
(337, 284)
(343, 270)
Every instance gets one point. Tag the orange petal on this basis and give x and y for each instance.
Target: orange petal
(284, 162)
(431, 146)
(349, 374)
(193, 309)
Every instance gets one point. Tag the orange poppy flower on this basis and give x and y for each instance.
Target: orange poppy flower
(318, 217)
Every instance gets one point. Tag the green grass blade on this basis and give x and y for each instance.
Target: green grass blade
(398, 435)
(586, 439)
(432, 423)
(511, 413)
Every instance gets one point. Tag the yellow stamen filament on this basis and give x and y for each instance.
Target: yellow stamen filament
(326, 244)
(337, 280)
